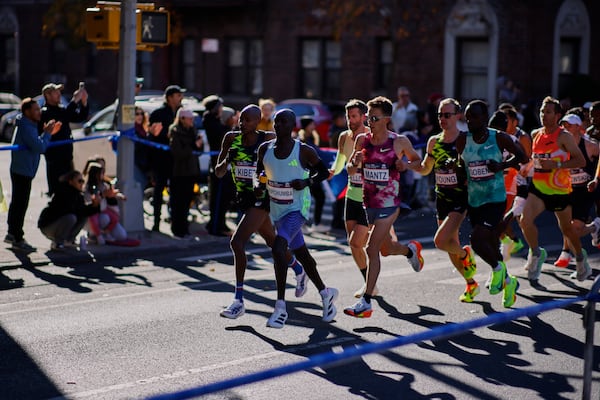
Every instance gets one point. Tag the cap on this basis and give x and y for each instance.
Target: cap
(305, 121)
(587, 105)
(172, 89)
(52, 86)
(227, 113)
(185, 113)
(433, 97)
(139, 80)
(571, 119)
(211, 102)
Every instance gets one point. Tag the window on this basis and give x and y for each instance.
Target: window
(189, 56)
(386, 57)
(321, 68)
(471, 68)
(245, 66)
(9, 51)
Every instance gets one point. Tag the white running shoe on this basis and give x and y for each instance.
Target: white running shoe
(359, 293)
(235, 310)
(329, 295)
(582, 269)
(301, 280)
(596, 233)
(279, 316)
(506, 247)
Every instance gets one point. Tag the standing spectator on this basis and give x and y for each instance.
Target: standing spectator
(162, 162)
(186, 169)
(404, 114)
(142, 151)
(23, 167)
(221, 190)
(230, 118)
(267, 107)
(338, 126)
(59, 159)
(309, 135)
(67, 211)
(433, 104)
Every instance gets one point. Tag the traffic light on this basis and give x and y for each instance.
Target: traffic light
(103, 24)
(152, 28)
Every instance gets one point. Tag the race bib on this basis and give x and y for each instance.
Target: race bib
(579, 177)
(244, 171)
(280, 193)
(376, 173)
(478, 171)
(446, 179)
(356, 179)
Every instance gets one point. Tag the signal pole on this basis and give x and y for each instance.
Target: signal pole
(132, 216)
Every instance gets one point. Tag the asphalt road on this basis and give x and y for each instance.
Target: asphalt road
(150, 325)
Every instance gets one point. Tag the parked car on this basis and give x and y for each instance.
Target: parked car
(9, 102)
(103, 123)
(314, 108)
(8, 120)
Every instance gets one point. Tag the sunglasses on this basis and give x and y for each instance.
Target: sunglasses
(80, 181)
(139, 113)
(446, 115)
(375, 118)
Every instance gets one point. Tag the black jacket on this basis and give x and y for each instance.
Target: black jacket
(215, 132)
(183, 143)
(74, 112)
(161, 159)
(66, 200)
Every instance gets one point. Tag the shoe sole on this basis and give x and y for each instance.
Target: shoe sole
(225, 314)
(364, 314)
(514, 296)
(419, 247)
(300, 293)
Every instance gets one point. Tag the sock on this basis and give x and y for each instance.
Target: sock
(409, 254)
(565, 250)
(579, 257)
(367, 298)
(295, 265)
(239, 291)
(364, 273)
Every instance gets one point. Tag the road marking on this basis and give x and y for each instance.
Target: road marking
(207, 368)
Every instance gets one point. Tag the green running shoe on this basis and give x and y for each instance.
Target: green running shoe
(498, 278)
(510, 292)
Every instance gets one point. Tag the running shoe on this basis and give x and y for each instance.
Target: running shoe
(360, 309)
(582, 268)
(534, 264)
(23, 246)
(498, 278)
(595, 233)
(329, 295)
(416, 261)
(471, 291)
(518, 246)
(235, 310)
(506, 247)
(10, 238)
(563, 260)
(279, 316)
(359, 293)
(510, 292)
(301, 286)
(468, 263)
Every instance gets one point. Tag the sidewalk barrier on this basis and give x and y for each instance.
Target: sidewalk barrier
(442, 332)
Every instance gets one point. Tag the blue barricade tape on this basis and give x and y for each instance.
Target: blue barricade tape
(347, 354)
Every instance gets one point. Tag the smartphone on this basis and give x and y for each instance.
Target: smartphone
(81, 85)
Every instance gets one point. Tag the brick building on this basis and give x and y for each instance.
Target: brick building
(246, 49)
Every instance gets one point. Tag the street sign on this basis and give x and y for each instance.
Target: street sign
(153, 28)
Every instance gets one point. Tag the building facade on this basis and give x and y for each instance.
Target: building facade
(244, 50)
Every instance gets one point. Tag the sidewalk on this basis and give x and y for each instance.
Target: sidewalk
(151, 242)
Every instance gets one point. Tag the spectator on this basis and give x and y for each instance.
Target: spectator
(143, 130)
(221, 190)
(23, 167)
(161, 160)
(309, 135)
(104, 226)
(186, 169)
(59, 159)
(338, 126)
(508, 92)
(67, 211)
(230, 118)
(404, 114)
(433, 104)
(267, 106)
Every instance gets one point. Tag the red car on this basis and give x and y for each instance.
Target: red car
(318, 111)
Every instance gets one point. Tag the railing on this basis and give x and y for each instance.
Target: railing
(442, 332)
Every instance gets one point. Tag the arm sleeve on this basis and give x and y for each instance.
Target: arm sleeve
(339, 163)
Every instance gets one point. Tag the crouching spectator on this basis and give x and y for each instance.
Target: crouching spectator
(67, 212)
(103, 226)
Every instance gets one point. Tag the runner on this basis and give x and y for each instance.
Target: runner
(451, 195)
(240, 150)
(481, 150)
(555, 153)
(289, 168)
(581, 199)
(377, 153)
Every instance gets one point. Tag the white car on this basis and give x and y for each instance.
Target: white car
(103, 123)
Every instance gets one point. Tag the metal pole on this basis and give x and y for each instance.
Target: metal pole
(589, 320)
(132, 216)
